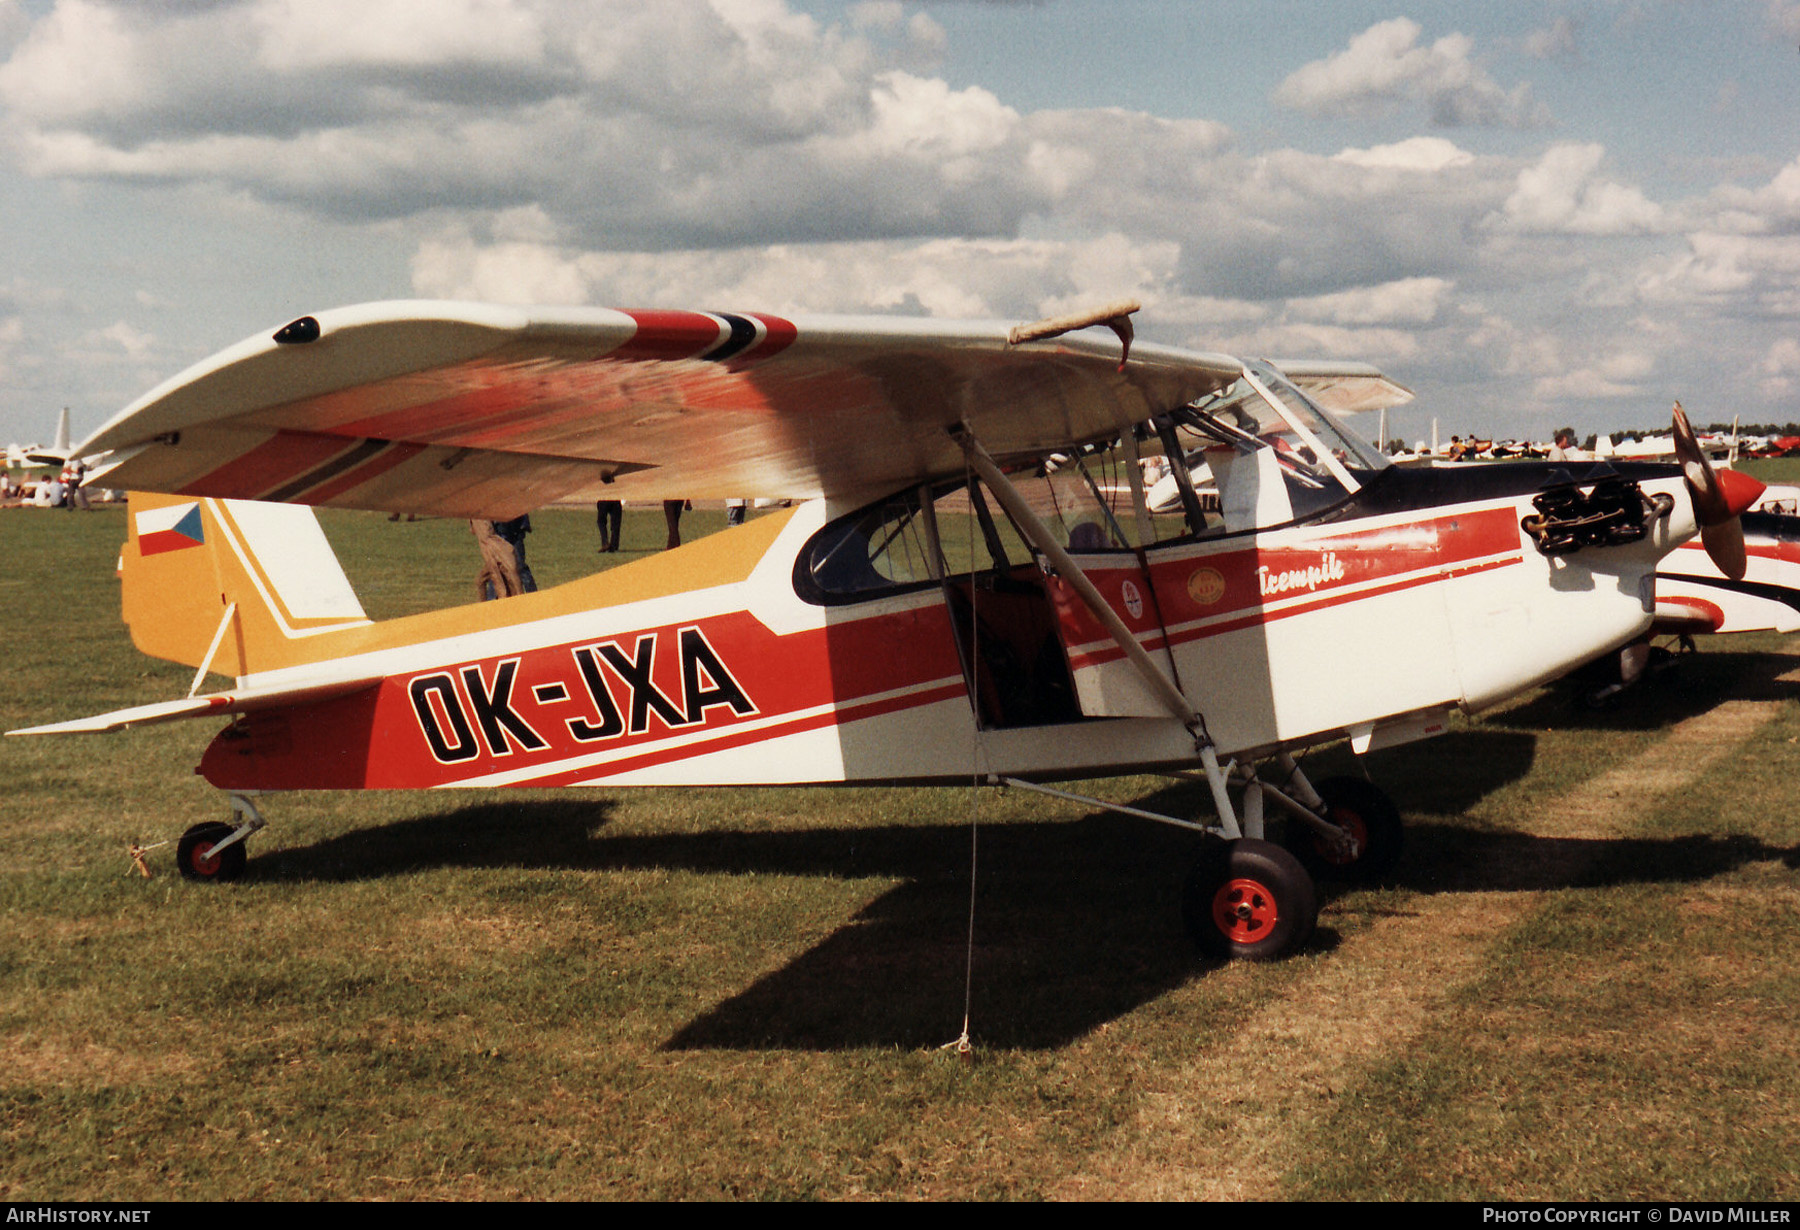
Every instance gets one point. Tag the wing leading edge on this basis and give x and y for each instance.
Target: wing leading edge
(477, 410)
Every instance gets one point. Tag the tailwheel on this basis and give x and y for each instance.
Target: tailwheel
(193, 854)
(1248, 900)
(1369, 838)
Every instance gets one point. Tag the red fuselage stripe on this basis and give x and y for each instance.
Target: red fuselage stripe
(841, 716)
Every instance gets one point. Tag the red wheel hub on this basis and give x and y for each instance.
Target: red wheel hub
(1244, 910)
(203, 864)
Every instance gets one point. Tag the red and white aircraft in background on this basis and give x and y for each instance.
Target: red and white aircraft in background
(940, 605)
(1693, 595)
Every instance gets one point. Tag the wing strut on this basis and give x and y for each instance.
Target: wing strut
(1039, 536)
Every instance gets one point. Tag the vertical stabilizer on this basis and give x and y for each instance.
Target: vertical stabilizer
(62, 433)
(232, 585)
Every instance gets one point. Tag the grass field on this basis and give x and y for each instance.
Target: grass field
(1583, 983)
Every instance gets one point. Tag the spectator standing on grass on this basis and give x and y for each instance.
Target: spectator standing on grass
(514, 532)
(72, 476)
(609, 515)
(672, 510)
(499, 577)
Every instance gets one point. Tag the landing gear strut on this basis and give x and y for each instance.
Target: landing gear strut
(1366, 838)
(1248, 898)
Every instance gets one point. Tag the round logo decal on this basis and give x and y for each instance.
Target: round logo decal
(1134, 601)
(1206, 586)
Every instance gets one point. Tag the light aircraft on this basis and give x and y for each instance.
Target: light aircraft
(940, 607)
(1694, 596)
(57, 454)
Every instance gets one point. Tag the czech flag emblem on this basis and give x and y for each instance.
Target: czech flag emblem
(174, 528)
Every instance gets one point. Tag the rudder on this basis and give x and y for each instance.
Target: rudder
(240, 586)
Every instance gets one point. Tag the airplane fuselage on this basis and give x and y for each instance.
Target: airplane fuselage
(724, 663)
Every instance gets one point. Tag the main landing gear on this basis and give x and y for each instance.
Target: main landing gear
(215, 850)
(1248, 898)
(1364, 838)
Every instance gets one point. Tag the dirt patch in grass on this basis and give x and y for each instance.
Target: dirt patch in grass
(89, 1064)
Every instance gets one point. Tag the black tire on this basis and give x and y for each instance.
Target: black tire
(227, 865)
(1367, 813)
(1248, 900)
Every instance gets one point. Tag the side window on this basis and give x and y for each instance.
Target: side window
(1085, 495)
(886, 548)
(882, 549)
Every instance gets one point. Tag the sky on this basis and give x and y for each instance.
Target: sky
(1532, 214)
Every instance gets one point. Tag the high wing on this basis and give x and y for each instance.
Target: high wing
(478, 410)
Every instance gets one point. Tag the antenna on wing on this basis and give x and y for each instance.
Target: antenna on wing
(1115, 316)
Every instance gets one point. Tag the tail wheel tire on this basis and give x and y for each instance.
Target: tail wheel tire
(1367, 817)
(1249, 900)
(196, 864)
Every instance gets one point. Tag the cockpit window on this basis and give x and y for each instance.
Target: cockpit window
(881, 549)
(888, 548)
(1274, 454)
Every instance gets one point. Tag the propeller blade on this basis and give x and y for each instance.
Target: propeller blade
(1724, 544)
(1702, 479)
(1719, 497)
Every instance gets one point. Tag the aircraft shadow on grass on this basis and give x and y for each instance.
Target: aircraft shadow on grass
(1073, 925)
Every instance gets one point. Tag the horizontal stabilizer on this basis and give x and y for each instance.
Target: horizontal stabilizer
(238, 700)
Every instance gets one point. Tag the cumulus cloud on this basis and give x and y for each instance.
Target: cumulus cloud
(1773, 208)
(133, 341)
(1750, 275)
(1555, 41)
(1414, 301)
(1412, 154)
(917, 41)
(1782, 358)
(1289, 224)
(1019, 278)
(739, 154)
(1564, 193)
(682, 123)
(1384, 67)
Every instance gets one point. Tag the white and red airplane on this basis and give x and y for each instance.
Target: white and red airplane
(940, 606)
(1694, 596)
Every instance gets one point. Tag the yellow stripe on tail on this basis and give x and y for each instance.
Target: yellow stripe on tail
(231, 585)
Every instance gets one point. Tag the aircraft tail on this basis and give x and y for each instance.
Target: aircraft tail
(62, 433)
(232, 585)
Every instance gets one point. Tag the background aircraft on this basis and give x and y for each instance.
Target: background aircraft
(56, 454)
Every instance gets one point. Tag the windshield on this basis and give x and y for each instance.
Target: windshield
(1262, 424)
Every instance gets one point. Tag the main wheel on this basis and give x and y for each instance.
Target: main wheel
(1249, 900)
(1372, 835)
(227, 864)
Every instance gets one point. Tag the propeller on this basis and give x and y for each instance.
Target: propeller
(1719, 496)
